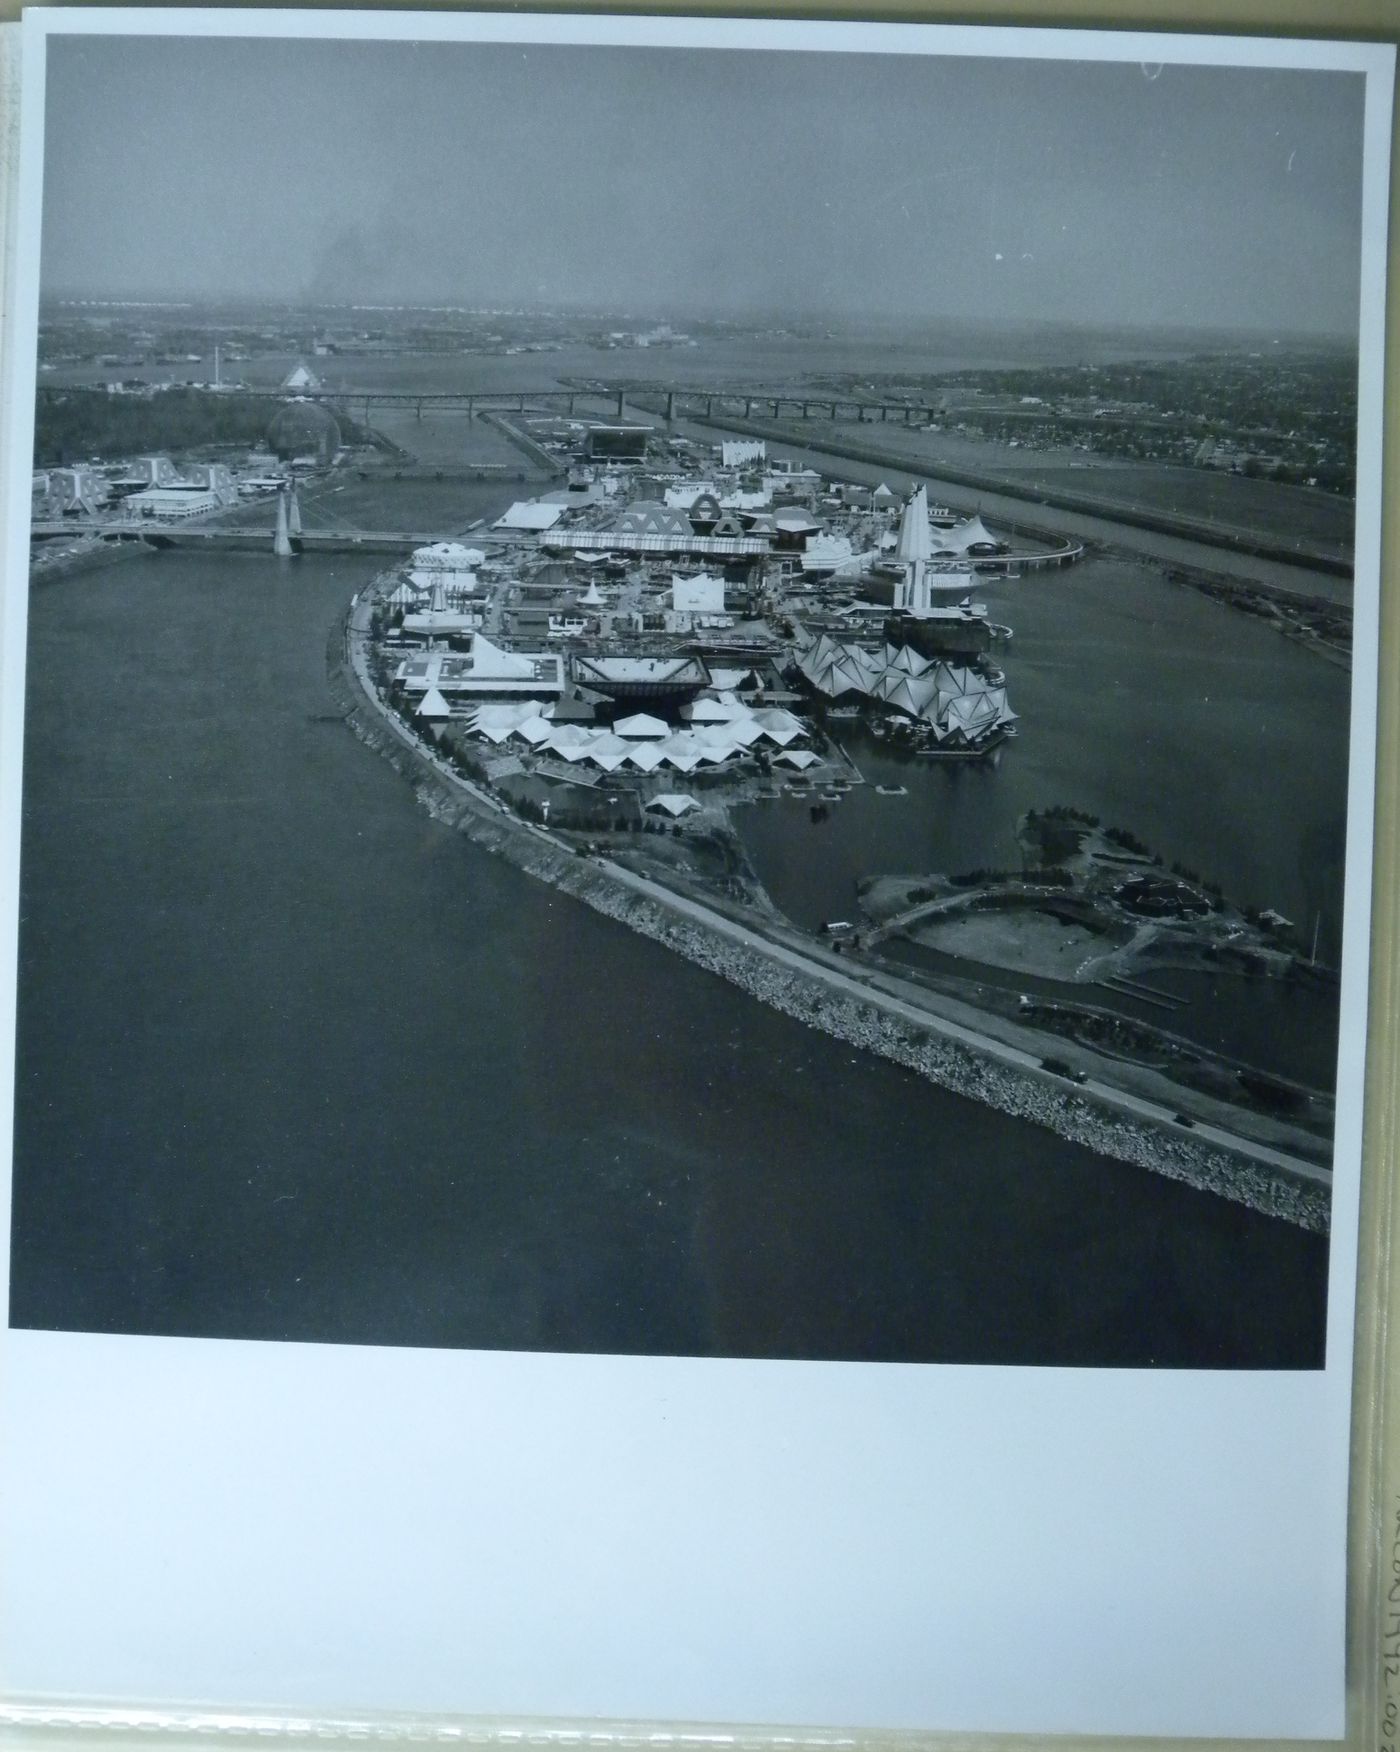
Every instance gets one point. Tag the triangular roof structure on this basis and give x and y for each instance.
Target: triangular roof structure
(433, 705)
(673, 802)
(301, 377)
(645, 755)
(794, 520)
(569, 709)
(708, 711)
(489, 659)
(641, 724)
(798, 757)
(883, 493)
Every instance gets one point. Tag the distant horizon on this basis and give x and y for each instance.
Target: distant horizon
(839, 324)
(833, 188)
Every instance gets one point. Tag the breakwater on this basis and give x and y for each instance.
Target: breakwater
(812, 994)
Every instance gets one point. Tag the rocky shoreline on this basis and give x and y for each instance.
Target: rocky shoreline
(812, 1000)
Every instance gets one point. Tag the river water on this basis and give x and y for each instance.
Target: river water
(297, 1062)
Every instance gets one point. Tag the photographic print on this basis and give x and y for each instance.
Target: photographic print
(697, 705)
(733, 749)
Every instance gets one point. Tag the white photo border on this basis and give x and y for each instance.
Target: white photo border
(58, 1528)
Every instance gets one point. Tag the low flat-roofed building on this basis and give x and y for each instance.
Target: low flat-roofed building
(728, 547)
(638, 678)
(487, 672)
(170, 504)
(531, 514)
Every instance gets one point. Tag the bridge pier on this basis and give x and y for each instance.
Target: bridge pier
(281, 540)
(621, 397)
(670, 406)
(418, 409)
(571, 406)
(520, 402)
(709, 407)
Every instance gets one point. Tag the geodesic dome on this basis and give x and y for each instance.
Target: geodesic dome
(304, 428)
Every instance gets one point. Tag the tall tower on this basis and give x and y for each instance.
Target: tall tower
(914, 550)
(294, 514)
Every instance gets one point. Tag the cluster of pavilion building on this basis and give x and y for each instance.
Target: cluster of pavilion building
(584, 709)
(960, 706)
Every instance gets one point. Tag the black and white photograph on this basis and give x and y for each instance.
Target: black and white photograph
(690, 699)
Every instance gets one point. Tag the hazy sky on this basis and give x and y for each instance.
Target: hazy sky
(652, 179)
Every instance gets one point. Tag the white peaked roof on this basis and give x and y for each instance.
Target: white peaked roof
(708, 711)
(300, 377)
(592, 597)
(798, 757)
(489, 659)
(915, 541)
(673, 802)
(645, 755)
(433, 705)
(882, 492)
(641, 724)
(974, 533)
(907, 659)
(959, 537)
(535, 730)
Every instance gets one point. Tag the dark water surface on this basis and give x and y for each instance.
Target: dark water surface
(297, 1062)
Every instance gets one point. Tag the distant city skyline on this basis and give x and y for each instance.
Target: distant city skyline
(846, 189)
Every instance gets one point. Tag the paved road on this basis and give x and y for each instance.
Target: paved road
(868, 990)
